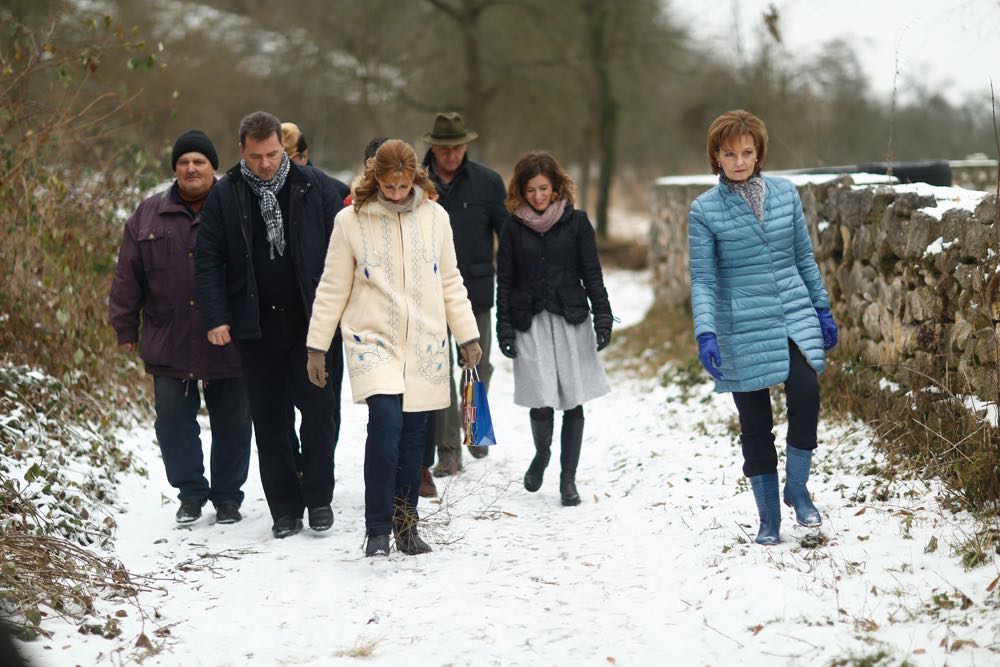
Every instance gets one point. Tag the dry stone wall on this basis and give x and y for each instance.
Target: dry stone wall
(912, 270)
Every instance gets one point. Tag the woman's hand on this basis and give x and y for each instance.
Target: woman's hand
(708, 353)
(507, 348)
(828, 327)
(603, 338)
(316, 367)
(471, 353)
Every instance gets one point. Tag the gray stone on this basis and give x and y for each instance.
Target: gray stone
(922, 303)
(921, 230)
(853, 206)
(986, 210)
(871, 322)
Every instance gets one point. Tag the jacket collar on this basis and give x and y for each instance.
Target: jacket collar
(428, 164)
(168, 204)
(296, 174)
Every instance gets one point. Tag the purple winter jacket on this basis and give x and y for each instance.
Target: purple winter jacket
(154, 279)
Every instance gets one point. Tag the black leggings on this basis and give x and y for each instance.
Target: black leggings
(757, 420)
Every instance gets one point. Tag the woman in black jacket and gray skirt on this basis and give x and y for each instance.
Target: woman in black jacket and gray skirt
(547, 270)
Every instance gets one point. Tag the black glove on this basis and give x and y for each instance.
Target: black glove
(603, 338)
(507, 348)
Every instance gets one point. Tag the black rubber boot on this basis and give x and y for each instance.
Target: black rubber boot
(572, 441)
(542, 421)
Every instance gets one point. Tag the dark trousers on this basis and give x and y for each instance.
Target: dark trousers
(274, 367)
(392, 463)
(177, 431)
(757, 420)
(447, 428)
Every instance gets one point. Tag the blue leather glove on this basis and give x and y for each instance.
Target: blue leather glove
(708, 353)
(507, 348)
(828, 327)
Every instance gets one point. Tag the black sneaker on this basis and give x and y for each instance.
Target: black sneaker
(190, 510)
(479, 452)
(320, 518)
(227, 513)
(378, 545)
(286, 526)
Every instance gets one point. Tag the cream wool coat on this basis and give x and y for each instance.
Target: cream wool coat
(391, 282)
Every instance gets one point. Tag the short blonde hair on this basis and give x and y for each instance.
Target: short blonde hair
(729, 127)
(290, 138)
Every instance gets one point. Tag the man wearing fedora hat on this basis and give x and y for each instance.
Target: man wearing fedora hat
(474, 197)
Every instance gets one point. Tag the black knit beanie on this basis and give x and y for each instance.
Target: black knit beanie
(194, 141)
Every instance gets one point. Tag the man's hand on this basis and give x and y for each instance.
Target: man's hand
(471, 353)
(219, 335)
(128, 347)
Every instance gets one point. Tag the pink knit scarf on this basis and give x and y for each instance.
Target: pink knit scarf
(541, 222)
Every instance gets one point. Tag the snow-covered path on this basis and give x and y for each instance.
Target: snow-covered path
(654, 567)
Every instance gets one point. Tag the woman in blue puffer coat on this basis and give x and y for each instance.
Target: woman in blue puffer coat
(761, 313)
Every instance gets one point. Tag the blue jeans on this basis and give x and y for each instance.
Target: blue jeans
(393, 452)
(178, 433)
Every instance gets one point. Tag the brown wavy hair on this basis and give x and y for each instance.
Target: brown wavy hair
(392, 157)
(538, 163)
(729, 127)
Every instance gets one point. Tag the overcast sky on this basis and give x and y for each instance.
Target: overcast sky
(953, 45)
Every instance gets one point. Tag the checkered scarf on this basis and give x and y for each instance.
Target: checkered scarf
(752, 191)
(267, 192)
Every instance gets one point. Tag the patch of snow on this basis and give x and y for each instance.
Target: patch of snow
(659, 554)
(886, 383)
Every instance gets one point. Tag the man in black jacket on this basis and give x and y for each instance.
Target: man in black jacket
(474, 197)
(261, 248)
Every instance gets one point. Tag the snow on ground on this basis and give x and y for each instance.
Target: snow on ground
(656, 567)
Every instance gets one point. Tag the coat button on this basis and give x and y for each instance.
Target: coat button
(191, 302)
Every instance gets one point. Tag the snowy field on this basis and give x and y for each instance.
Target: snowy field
(656, 567)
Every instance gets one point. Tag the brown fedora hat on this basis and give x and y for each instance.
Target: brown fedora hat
(449, 130)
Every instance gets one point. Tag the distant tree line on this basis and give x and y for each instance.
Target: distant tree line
(618, 89)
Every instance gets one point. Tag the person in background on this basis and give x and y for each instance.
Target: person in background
(395, 330)
(473, 196)
(264, 231)
(154, 284)
(298, 152)
(370, 149)
(761, 312)
(547, 270)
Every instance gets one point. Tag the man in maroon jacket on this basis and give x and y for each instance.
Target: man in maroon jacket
(154, 282)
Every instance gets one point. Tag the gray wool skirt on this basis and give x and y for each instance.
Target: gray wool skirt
(557, 364)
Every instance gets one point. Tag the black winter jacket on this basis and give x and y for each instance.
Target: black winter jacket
(556, 271)
(227, 287)
(475, 203)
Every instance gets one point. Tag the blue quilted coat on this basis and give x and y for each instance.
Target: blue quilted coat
(755, 285)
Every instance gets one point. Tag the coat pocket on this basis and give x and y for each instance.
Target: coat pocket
(574, 305)
(521, 310)
(154, 248)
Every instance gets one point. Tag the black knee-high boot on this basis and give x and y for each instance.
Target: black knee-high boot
(542, 420)
(572, 441)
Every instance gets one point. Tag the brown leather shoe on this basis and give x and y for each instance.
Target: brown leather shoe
(427, 487)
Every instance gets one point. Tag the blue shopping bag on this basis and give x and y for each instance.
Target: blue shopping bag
(476, 412)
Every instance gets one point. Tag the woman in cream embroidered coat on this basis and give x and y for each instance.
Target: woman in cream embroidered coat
(392, 285)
